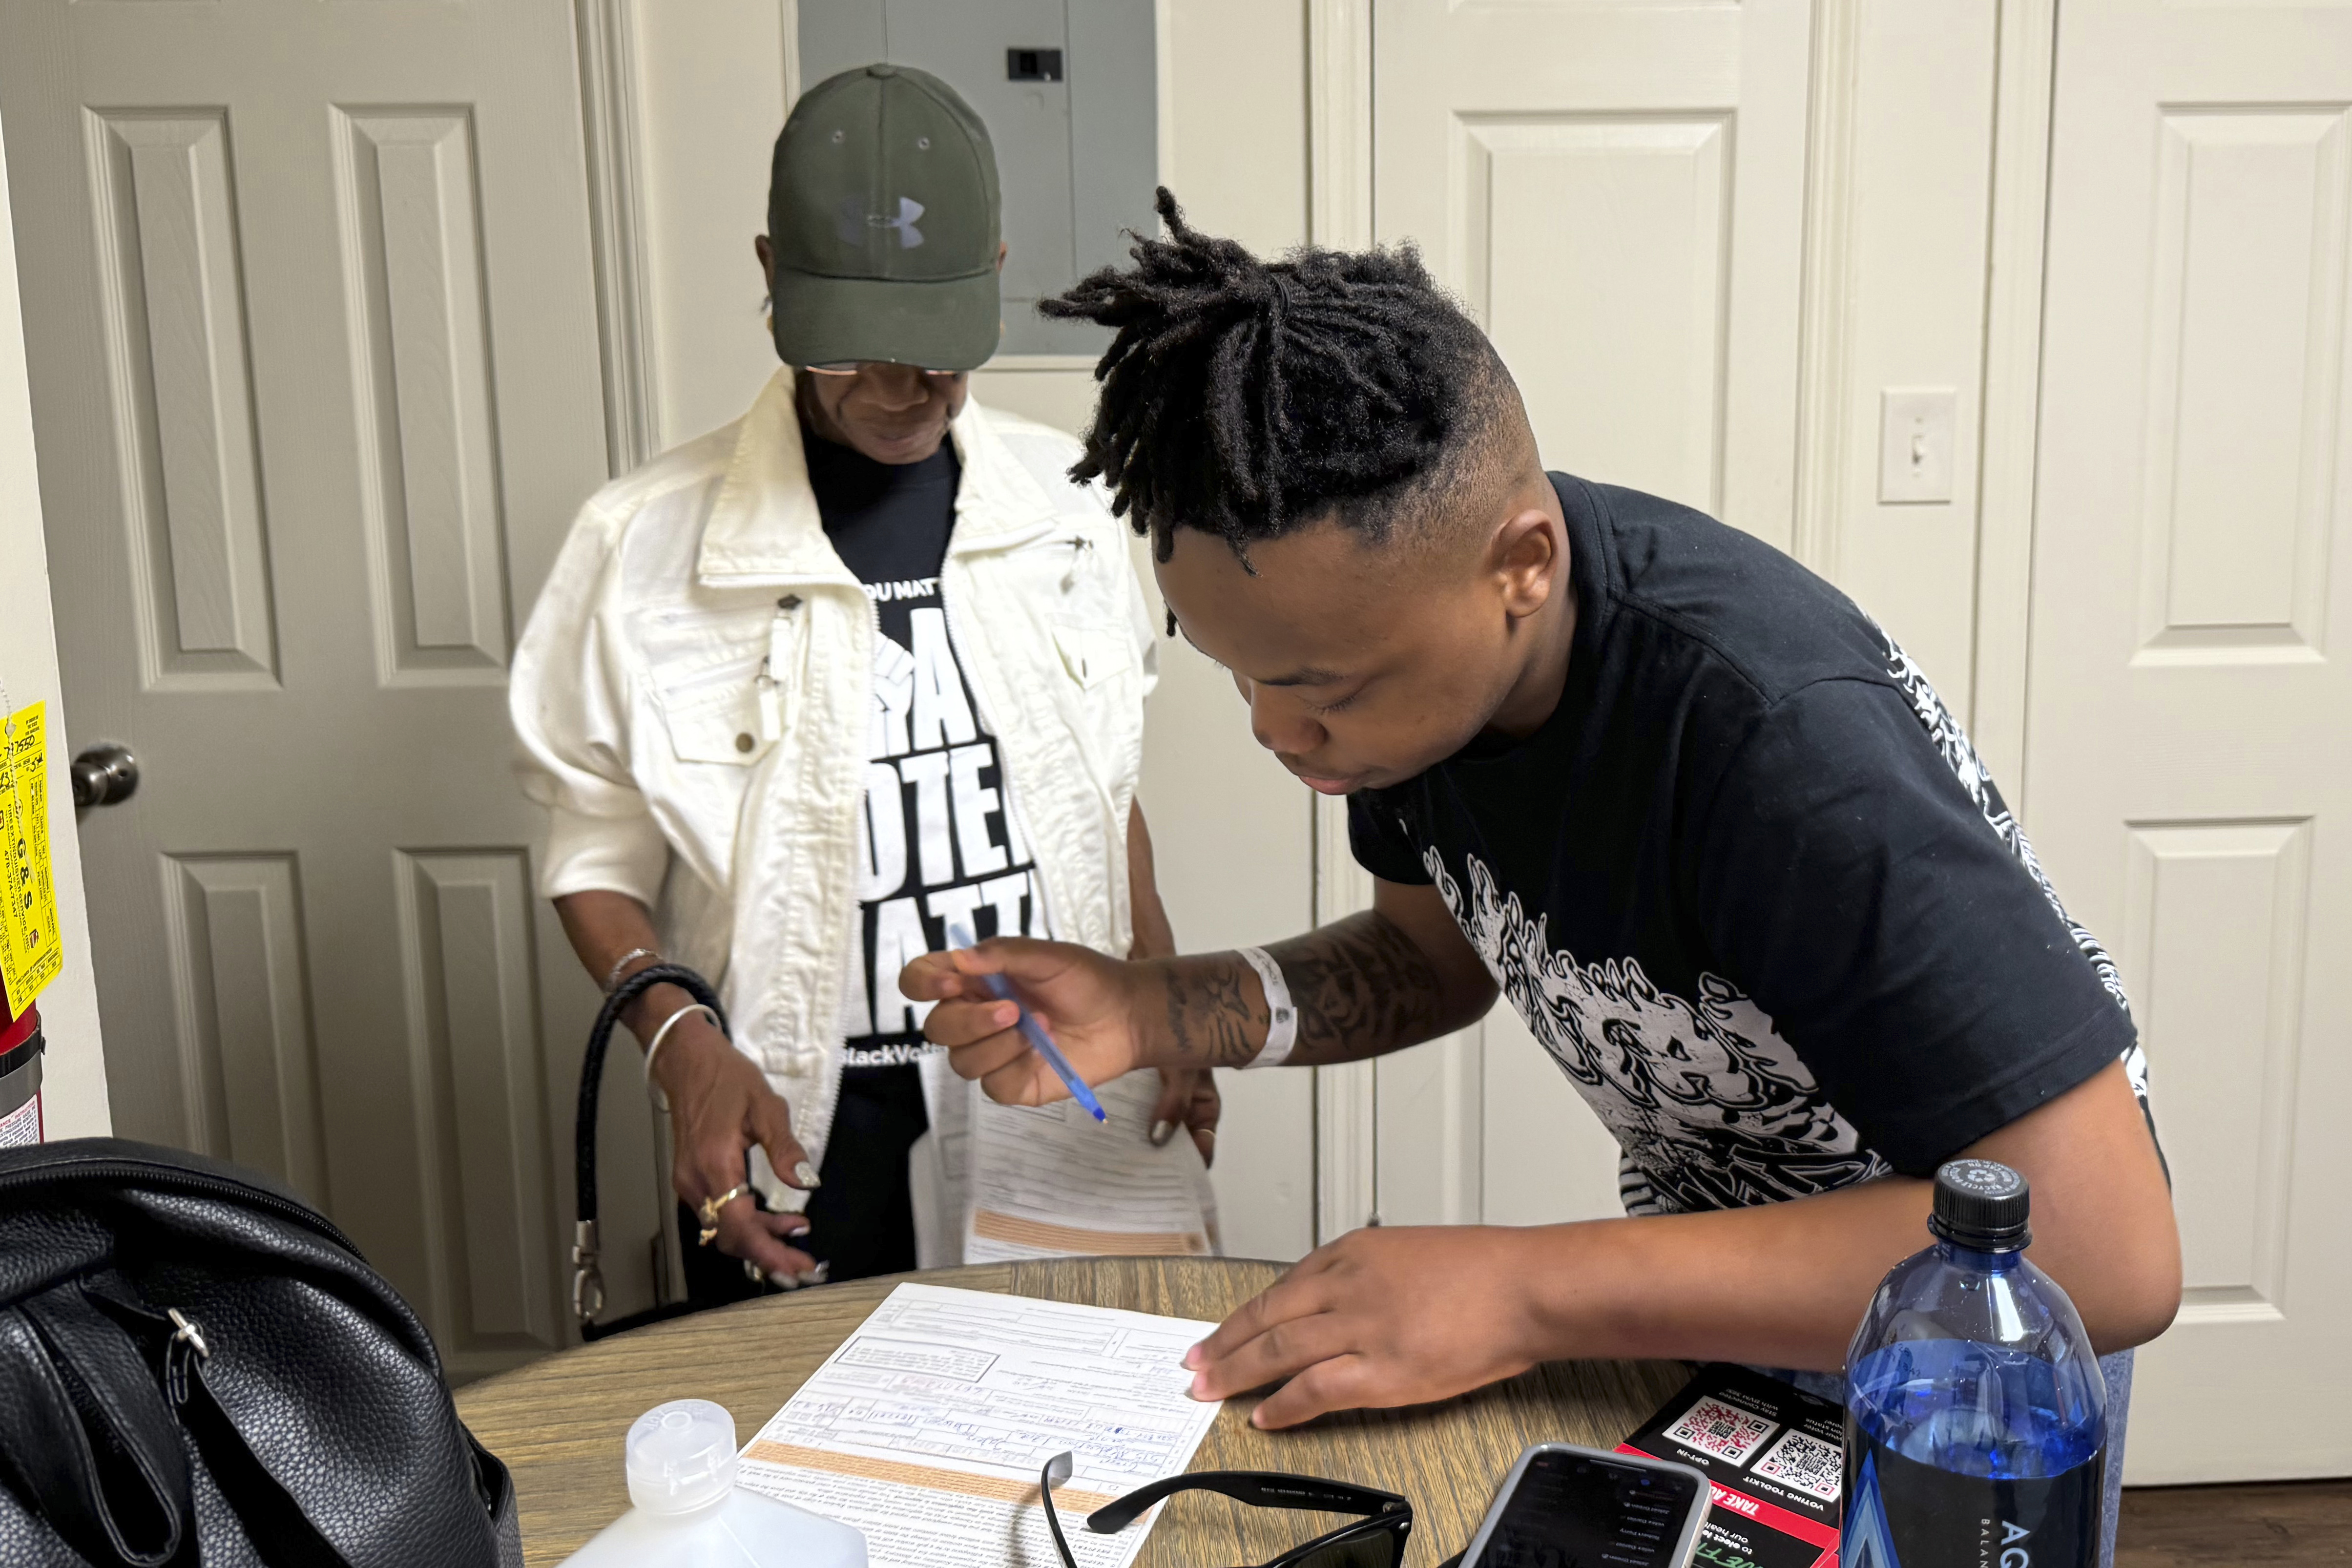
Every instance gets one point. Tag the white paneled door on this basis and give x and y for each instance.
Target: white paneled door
(312, 334)
(2188, 761)
(1618, 192)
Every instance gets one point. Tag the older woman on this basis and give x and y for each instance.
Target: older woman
(803, 693)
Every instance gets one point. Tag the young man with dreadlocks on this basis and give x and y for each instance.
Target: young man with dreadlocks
(1691, 811)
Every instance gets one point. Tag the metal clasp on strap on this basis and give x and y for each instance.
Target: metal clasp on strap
(587, 1279)
(188, 1332)
(184, 1352)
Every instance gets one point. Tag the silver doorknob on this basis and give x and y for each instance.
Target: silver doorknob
(104, 774)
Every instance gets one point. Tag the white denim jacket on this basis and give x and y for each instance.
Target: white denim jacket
(693, 695)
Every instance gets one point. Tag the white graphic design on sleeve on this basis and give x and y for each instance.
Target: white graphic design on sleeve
(1952, 742)
(1712, 1108)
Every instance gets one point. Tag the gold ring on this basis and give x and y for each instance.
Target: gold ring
(710, 1206)
(710, 1213)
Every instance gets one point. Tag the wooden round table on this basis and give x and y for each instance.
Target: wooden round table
(558, 1423)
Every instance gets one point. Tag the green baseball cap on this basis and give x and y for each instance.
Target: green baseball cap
(883, 224)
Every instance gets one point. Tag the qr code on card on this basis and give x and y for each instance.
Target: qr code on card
(1803, 1461)
(1724, 1431)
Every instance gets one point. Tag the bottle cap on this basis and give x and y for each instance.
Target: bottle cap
(1983, 1204)
(681, 1456)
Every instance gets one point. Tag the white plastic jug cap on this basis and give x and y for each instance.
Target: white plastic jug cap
(681, 1456)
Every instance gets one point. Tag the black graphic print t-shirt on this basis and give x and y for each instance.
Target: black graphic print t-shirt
(1749, 885)
(936, 842)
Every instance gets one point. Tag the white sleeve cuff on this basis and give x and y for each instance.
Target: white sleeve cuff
(613, 854)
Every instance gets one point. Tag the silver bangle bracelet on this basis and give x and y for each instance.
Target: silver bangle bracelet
(653, 1089)
(613, 975)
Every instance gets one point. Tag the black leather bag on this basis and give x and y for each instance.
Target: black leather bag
(197, 1367)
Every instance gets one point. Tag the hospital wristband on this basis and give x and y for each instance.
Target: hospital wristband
(1282, 1030)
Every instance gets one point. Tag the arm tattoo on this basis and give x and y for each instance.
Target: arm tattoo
(1209, 1016)
(1360, 987)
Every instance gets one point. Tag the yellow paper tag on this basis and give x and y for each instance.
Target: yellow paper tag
(30, 952)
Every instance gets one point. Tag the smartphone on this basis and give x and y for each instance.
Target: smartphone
(1565, 1507)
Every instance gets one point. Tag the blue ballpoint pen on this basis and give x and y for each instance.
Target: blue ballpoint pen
(1032, 1031)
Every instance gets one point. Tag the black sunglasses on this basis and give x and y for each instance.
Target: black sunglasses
(1377, 1542)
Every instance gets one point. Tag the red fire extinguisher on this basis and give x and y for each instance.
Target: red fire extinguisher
(20, 1076)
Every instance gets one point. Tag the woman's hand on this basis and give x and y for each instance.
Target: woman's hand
(719, 1106)
(1188, 1098)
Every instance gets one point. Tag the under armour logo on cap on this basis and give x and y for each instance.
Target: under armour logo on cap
(884, 225)
(855, 220)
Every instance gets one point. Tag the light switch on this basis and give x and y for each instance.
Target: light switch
(1915, 444)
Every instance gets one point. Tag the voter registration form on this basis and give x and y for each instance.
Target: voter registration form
(1048, 1181)
(927, 1428)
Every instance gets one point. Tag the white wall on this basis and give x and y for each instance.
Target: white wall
(74, 1069)
(1232, 828)
(1914, 266)
(710, 82)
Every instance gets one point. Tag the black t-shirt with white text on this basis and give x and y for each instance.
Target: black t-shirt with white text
(1749, 885)
(936, 841)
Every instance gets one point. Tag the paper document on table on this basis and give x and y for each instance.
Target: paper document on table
(1049, 1181)
(926, 1429)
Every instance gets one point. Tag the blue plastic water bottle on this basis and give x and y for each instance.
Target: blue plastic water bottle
(1976, 1429)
